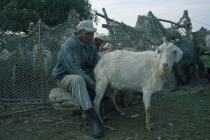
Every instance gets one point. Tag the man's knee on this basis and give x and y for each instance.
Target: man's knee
(77, 79)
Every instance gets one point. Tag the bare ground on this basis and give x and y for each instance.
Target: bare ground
(183, 117)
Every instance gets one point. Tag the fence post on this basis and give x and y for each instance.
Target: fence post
(41, 63)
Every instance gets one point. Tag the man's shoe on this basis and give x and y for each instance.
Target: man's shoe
(97, 129)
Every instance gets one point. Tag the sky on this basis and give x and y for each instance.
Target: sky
(127, 11)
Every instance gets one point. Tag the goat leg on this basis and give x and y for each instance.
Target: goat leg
(148, 121)
(147, 99)
(112, 96)
(96, 107)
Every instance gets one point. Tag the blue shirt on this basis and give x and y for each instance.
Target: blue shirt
(76, 58)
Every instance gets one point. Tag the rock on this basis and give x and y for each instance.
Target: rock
(61, 98)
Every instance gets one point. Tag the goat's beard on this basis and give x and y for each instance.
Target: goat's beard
(163, 72)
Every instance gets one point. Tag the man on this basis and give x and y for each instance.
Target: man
(74, 70)
(102, 45)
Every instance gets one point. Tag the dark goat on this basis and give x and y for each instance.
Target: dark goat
(186, 68)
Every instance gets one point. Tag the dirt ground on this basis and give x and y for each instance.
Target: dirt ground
(183, 117)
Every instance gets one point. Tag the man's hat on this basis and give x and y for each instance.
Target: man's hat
(103, 37)
(86, 25)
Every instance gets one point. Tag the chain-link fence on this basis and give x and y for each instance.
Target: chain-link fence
(27, 61)
(147, 32)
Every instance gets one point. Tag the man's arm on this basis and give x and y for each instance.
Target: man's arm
(72, 63)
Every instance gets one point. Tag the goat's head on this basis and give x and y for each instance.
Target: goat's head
(168, 54)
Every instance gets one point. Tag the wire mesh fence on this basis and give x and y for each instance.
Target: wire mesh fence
(147, 32)
(27, 61)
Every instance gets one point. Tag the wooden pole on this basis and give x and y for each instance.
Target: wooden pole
(106, 16)
(98, 14)
(108, 19)
(168, 21)
(41, 52)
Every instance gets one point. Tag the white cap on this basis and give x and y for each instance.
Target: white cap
(102, 37)
(86, 25)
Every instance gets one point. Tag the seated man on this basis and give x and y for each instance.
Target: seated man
(74, 71)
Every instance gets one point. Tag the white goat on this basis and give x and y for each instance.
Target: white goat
(140, 71)
(208, 42)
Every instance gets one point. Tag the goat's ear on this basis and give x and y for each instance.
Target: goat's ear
(178, 54)
(157, 50)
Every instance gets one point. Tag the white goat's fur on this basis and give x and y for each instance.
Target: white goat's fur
(140, 71)
(208, 41)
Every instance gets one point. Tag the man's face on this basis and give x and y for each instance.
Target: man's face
(86, 37)
(98, 42)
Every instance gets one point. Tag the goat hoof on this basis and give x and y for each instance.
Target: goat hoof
(109, 127)
(150, 128)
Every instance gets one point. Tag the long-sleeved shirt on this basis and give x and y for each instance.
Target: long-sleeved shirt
(76, 58)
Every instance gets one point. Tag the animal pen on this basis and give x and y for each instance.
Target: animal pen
(27, 61)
